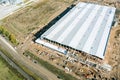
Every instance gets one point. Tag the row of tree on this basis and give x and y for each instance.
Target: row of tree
(9, 35)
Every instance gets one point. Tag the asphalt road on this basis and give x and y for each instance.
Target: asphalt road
(35, 68)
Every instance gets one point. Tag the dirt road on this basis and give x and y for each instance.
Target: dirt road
(35, 68)
(10, 62)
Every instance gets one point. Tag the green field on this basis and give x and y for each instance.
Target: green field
(7, 72)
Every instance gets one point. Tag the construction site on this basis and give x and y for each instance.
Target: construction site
(70, 36)
(80, 37)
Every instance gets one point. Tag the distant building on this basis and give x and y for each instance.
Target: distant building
(10, 2)
(84, 28)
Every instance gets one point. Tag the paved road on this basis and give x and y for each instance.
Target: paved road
(10, 9)
(35, 68)
(7, 10)
(28, 77)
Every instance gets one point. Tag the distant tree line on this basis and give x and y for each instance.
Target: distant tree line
(9, 35)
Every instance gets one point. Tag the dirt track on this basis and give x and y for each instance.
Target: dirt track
(35, 68)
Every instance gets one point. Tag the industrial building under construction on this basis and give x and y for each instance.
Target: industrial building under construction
(85, 28)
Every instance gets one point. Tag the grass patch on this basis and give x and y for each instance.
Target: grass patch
(53, 69)
(31, 17)
(21, 66)
(5, 52)
(7, 72)
(31, 73)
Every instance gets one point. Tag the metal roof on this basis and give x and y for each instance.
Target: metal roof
(86, 27)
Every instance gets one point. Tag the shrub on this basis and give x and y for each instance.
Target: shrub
(7, 34)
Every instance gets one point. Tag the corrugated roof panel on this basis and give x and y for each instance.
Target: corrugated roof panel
(93, 33)
(74, 23)
(79, 34)
(64, 21)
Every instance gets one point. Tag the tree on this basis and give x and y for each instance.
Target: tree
(12, 39)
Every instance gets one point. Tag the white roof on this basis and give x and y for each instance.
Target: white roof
(86, 27)
(51, 46)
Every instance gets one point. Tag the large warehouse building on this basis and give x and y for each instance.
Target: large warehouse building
(86, 28)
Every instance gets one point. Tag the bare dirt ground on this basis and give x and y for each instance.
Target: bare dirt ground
(113, 53)
(34, 16)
